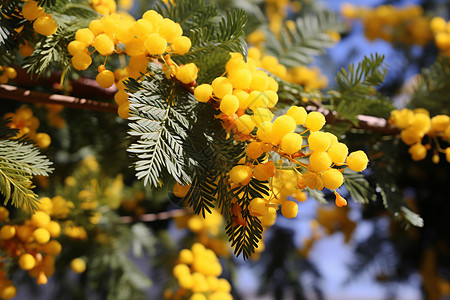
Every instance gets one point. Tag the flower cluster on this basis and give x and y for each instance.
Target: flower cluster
(151, 37)
(276, 12)
(441, 31)
(43, 23)
(209, 230)
(31, 244)
(104, 7)
(197, 273)
(405, 25)
(7, 73)
(417, 124)
(317, 159)
(309, 78)
(7, 288)
(27, 124)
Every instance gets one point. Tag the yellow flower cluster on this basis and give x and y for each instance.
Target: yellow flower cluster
(441, 31)
(103, 7)
(7, 288)
(134, 204)
(75, 232)
(32, 243)
(27, 124)
(43, 23)
(245, 98)
(209, 231)
(415, 125)
(125, 5)
(147, 38)
(277, 10)
(328, 220)
(309, 78)
(54, 117)
(245, 87)
(197, 273)
(7, 73)
(405, 25)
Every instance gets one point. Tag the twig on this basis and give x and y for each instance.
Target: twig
(18, 94)
(158, 216)
(370, 123)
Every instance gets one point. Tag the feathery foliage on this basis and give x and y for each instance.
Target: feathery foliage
(212, 156)
(433, 87)
(245, 238)
(10, 21)
(385, 170)
(113, 269)
(213, 41)
(18, 163)
(395, 204)
(358, 187)
(317, 195)
(46, 3)
(357, 87)
(298, 45)
(190, 14)
(7, 132)
(159, 119)
(51, 51)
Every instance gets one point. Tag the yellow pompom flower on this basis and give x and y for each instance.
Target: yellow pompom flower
(187, 73)
(357, 161)
(78, 265)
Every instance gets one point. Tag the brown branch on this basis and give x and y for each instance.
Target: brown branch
(18, 94)
(369, 123)
(158, 216)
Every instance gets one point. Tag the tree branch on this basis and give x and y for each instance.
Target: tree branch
(10, 92)
(370, 123)
(157, 216)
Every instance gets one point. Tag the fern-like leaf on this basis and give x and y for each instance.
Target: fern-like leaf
(298, 45)
(51, 51)
(18, 163)
(10, 21)
(358, 187)
(357, 87)
(245, 238)
(190, 14)
(215, 40)
(159, 121)
(432, 91)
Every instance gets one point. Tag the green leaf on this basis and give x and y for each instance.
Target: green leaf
(396, 205)
(357, 87)
(46, 3)
(433, 88)
(10, 20)
(160, 122)
(317, 195)
(18, 163)
(7, 132)
(298, 46)
(201, 195)
(190, 14)
(49, 51)
(245, 238)
(213, 39)
(358, 187)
